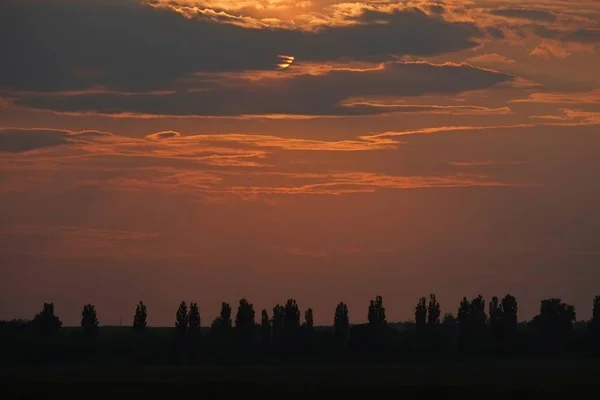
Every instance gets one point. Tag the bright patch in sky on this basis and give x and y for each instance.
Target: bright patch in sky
(286, 61)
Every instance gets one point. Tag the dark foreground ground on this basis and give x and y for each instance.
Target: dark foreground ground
(542, 377)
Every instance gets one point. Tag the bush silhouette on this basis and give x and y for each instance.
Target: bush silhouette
(45, 322)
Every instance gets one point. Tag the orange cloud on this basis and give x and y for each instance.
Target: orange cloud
(174, 140)
(590, 97)
(491, 58)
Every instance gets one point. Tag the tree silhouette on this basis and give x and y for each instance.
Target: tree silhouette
(510, 309)
(244, 322)
(225, 317)
(308, 333)
(554, 324)
(277, 322)
(376, 316)
(244, 318)
(194, 317)
(265, 328)
(594, 325)
(181, 318)
(477, 313)
(449, 319)
(462, 318)
(496, 311)
(291, 328)
(477, 324)
(433, 322)
(89, 320)
(308, 319)
(284, 339)
(556, 315)
(433, 312)
(140, 317)
(45, 322)
(503, 322)
(421, 320)
(291, 315)
(341, 322)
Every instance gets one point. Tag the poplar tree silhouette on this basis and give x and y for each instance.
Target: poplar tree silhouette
(496, 320)
(463, 320)
(433, 312)
(194, 318)
(89, 321)
(140, 317)
(376, 316)
(594, 326)
(341, 322)
(225, 317)
(277, 323)
(289, 336)
(244, 323)
(181, 318)
(265, 328)
(308, 319)
(421, 321)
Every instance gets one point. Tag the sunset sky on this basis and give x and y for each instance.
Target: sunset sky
(169, 150)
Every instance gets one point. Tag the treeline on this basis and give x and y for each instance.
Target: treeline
(283, 335)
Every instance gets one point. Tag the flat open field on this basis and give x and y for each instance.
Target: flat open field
(521, 377)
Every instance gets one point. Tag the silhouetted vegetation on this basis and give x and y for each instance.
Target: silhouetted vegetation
(139, 320)
(284, 338)
(89, 320)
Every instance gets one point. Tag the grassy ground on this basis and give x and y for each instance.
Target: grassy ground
(521, 377)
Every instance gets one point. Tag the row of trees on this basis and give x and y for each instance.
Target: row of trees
(473, 331)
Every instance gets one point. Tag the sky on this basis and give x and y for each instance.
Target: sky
(327, 151)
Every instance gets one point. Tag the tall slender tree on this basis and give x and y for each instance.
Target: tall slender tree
(510, 309)
(376, 316)
(421, 320)
(291, 317)
(181, 318)
(433, 312)
(194, 318)
(341, 322)
(225, 316)
(89, 320)
(265, 328)
(277, 320)
(244, 322)
(140, 317)
(496, 320)
(308, 319)
(594, 325)
(463, 320)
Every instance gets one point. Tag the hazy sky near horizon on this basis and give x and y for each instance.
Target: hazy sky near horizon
(169, 150)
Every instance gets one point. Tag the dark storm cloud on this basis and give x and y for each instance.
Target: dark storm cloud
(299, 94)
(495, 32)
(587, 35)
(526, 13)
(21, 140)
(124, 45)
(436, 9)
(17, 140)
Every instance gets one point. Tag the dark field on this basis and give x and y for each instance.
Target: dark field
(547, 377)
